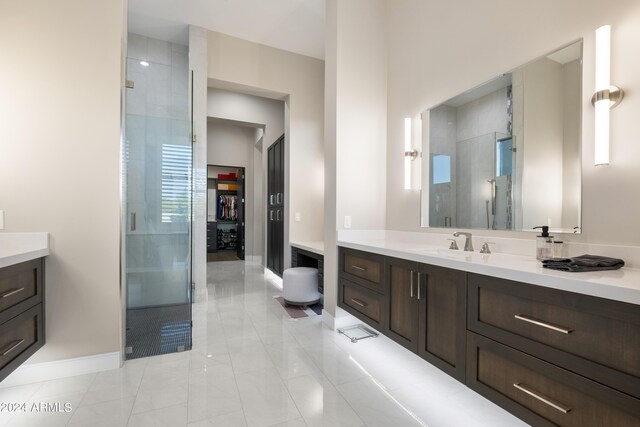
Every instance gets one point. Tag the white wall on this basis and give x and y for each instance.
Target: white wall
(301, 80)
(269, 115)
(543, 144)
(230, 144)
(356, 99)
(490, 38)
(60, 80)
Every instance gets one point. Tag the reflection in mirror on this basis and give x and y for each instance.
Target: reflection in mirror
(506, 155)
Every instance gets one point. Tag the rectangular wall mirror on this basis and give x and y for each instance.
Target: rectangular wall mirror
(506, 154)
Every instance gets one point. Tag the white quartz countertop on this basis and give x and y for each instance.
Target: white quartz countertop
(620, 285)
(20, 247)
(315, 247)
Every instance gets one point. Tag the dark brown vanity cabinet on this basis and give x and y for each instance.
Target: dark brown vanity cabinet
(443, 314)
(361, 286)
(421, 307)
(548, 356)
(554, 357)
(426, 312)
(403, 302)
(21, 313)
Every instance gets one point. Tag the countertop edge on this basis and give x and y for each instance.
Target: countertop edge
(309, 246)
(27, 255)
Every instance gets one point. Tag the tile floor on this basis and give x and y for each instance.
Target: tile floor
(251, 365)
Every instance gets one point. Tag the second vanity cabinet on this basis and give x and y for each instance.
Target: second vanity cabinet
(21, 313)
(548, 356)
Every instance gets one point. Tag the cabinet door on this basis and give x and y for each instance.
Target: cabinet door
(442, 340)
(271, 170)
(402, 303)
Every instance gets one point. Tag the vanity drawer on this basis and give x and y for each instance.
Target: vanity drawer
(541, 393)
(362, 303)
(363, 268)
(20, 288)
(20, 337)
(542, 321)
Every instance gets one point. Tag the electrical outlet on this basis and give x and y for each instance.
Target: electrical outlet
(347, 221)
(1, 220)
(298, 216)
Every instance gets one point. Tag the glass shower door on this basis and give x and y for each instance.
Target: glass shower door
(158, 168)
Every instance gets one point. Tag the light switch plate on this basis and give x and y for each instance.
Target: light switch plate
(347, 221)
(1, 220)
(298, 216)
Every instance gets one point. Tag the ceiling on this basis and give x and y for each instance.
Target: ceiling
(293, 25)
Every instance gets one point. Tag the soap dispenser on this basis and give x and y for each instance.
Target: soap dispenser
(544, 244)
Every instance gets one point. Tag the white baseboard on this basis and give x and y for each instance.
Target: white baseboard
(36, 372)
(328, 320)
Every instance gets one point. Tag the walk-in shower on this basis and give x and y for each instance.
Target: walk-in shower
(472, 185)
(157, 163)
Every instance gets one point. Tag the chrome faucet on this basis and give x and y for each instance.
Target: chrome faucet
(468, 245)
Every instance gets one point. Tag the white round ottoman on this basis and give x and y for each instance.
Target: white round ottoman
(300, 286)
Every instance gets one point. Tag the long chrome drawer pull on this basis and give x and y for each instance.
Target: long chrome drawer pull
(359, 268)
(11, 346)
(543, 324)
(11, 292)
(560, 407)
(360, 303)
(419, 285)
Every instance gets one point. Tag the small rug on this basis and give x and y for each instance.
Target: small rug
(296, 312)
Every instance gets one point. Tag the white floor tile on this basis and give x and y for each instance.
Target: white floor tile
(235, 419)
(212, 392)
(265, 399)
(114, 413)
(171, 416)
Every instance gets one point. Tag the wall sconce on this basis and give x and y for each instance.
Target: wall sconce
(605, 97)
(410, 154)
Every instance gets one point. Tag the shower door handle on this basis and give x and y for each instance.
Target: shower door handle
(133, 221)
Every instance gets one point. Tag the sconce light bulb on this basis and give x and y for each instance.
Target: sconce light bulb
(603, 58)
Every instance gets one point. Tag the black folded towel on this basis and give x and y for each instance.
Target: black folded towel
(583, 263)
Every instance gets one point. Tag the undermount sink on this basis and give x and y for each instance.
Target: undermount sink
(452, 253)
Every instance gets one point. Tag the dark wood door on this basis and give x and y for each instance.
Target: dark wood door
(275, 207)
(240, 219)
(442, 339)
(402, 305)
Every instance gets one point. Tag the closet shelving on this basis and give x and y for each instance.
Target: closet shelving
(225, 226)
(226, 214)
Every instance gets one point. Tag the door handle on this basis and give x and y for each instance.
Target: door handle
(278, 198)
(133, 221)
(278, 215)
(270, 215)
(419, 285)
(271, 199)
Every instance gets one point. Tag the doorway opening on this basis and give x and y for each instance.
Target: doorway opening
(225, 213)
